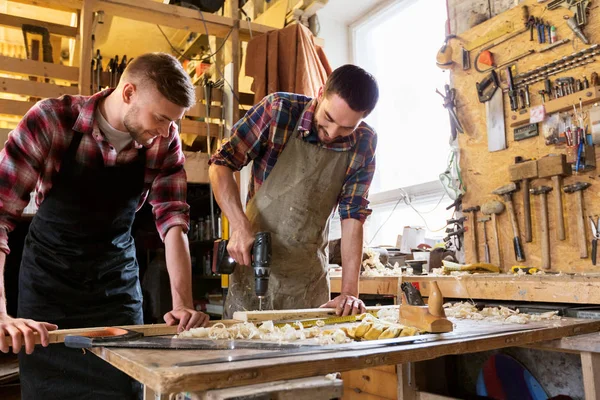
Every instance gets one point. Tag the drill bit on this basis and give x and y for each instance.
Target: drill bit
(260, 303)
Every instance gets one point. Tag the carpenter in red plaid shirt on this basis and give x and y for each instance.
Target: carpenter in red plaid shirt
(309, 156)
(93, 162)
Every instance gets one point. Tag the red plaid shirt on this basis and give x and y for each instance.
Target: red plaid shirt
(32, 156)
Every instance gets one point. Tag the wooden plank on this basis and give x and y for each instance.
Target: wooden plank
(373, 381)
(55, 29)
(256, 29)
(166, 15)
(317, 388)
(59, 335)
(198, 128)
(34, 88)
(235, 54)
(62, 5)
(572, 288)
(4, 136)
(156, 367)
(384, 285)
(15, 107)
(215, 96)
(590, 366)
(85, 47)
(199, 111)
(26, 67)
(573, 344)
(565, 103)
(285, 315)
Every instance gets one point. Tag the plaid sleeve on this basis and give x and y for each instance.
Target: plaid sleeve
(248, 137)
(355, 191)
(169, 189)
(21, 162)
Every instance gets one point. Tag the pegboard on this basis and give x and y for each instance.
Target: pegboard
(484, 171)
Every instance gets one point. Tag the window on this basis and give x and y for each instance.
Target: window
(398, 45)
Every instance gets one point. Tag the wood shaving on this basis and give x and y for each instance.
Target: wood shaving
(374, 267)
(464, 310)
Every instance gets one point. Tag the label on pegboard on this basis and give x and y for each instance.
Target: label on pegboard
(537, 114)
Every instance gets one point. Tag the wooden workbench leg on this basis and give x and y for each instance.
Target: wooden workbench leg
(590, 366)
(407, 386)
(150, 394)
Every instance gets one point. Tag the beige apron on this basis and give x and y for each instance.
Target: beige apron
(294, 203)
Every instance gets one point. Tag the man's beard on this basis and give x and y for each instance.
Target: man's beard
(136, 131)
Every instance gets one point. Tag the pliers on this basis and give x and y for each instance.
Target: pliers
(595, 237)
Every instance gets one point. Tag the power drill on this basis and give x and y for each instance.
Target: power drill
(261, 262)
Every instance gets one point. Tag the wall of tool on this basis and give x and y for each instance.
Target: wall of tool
(526, 86)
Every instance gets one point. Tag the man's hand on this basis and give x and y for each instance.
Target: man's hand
(346, 304)
(240, 244)
(187, 318)
(19, 330)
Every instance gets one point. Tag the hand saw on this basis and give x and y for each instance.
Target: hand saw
(354, 346)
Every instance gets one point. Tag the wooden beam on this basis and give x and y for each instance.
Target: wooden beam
(199, 111)
(407, 384)
(571, 288)
(286, 315)
(85, 47)
(61, 5)
(235, 55)
(167, 15)
(198, 128)
(369, 285)
(55, 29)
(15, 107)
(247, 32)
(34, 88)
(590, 366)
(30, 67)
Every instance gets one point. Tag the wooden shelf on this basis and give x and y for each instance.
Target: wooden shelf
(14, 21)
(587, 96)
(15, 107)
(382, 285)
(46, 70)
(571, 288)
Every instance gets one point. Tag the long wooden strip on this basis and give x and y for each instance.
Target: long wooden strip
(30, 67)
(56, 29)
(199, 110)
(15, 107)
(166, 15)
(285, 315)
(33, 88)
(198, 128)
(58, 336)
(61, 5)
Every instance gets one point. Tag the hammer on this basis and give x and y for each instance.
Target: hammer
(506, 192)
(555, 166)
(579, 187)
(486, 248)
(522, 171)
(474, 210)
(494, 208)
(545, 235)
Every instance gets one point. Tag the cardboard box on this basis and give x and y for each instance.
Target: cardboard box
(196, 167)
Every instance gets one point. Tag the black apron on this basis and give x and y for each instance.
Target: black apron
(79, 270)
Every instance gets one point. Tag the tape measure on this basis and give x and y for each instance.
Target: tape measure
(309, 323)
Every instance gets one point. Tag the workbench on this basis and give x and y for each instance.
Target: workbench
(156, 369)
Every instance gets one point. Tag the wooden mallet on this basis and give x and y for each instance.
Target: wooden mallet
(494, 208)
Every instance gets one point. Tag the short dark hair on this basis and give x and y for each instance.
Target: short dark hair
(355, 85)
(167, 74)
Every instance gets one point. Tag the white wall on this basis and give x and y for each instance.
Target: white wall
(335, 35)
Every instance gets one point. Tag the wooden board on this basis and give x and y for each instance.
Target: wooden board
(15, 107)
(36, 89)
(155, 368)
(483, 171)
(286, 315)
(14, 21)
(580, 289)
(30, 67)
(58, 336)
(384, 285)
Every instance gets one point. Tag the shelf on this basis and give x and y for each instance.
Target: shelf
(559, 288)
(587, 96)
